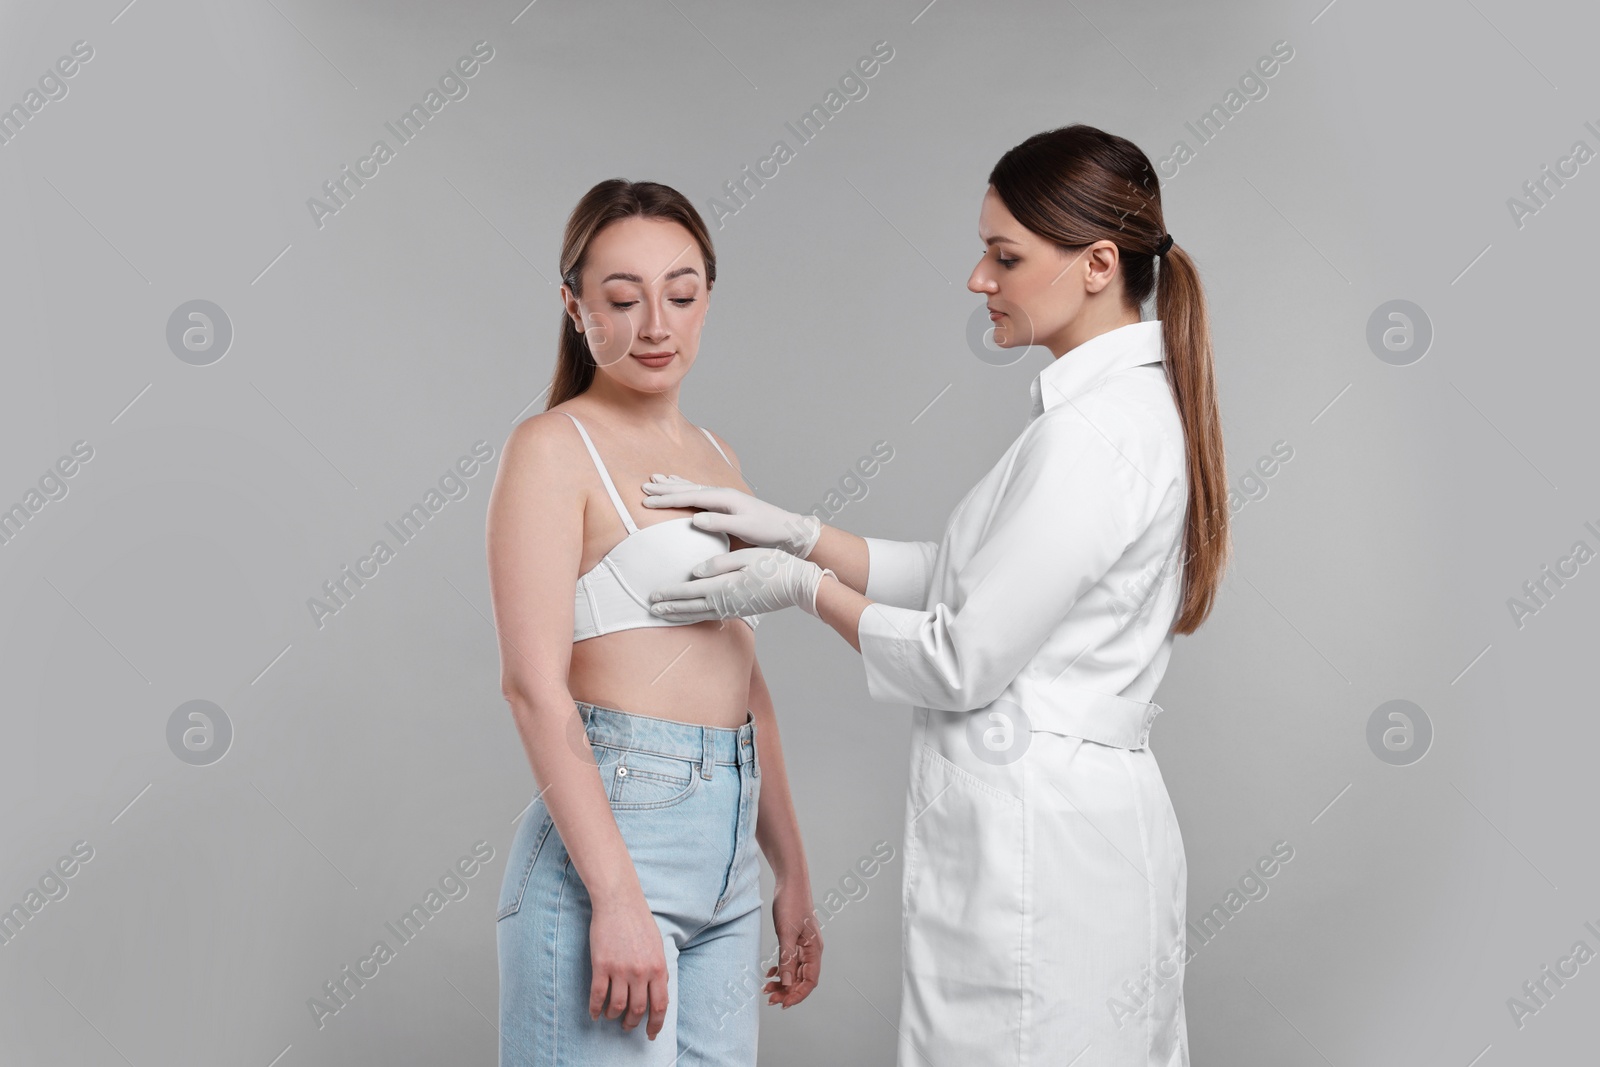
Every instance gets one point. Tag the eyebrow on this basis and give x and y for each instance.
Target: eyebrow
(998, 240)
(624, 276)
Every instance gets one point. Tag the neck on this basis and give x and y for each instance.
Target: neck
(1093, 320)
(656, 411)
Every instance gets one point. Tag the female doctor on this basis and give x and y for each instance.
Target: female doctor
(1044, 882)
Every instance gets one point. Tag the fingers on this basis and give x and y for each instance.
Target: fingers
(633, 1002)
(618, 1002)
(714, 521)
(638, 1004)
(686, 610)
(658, 1007)
(804, 969)
(721, 564)
(699, 587)
(786, 961)
(685, 596)
(671, 491)
(810, 967)
(597, 994)
(678, 497)
(669, 483)
(783, 975)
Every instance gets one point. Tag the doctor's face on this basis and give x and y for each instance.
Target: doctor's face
(1034, 287)
(643, 304)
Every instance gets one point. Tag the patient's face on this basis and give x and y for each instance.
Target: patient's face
(644, 292)
(1029, 280)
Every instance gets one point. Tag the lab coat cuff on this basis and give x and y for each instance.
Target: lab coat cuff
(897, 572)
(887, 635)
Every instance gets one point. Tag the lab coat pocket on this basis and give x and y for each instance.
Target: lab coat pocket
(967, 895)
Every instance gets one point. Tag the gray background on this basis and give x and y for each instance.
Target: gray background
(368, 355)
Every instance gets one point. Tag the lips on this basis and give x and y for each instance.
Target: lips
(654, 359)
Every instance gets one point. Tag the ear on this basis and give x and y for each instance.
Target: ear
(574, 310)
(1101, 259)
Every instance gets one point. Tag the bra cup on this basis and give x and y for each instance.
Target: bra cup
(661, 554)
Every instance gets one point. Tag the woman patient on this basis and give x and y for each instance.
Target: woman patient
(632, 892)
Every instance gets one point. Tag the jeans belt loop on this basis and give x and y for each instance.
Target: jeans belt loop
(708, 752)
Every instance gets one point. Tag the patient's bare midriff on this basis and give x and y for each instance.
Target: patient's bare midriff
(694, 672)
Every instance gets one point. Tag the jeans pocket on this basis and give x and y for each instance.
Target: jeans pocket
(642, 780)
(535, 830)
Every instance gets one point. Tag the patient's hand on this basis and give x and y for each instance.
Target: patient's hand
(799, 946)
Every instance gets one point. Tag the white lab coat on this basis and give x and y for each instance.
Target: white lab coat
(1044, 877)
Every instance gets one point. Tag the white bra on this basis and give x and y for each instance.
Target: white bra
(615, 594)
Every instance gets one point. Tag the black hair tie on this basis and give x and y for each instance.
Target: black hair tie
(1165, 243)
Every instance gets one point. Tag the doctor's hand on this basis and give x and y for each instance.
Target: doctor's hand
(750, 581)
(737, 513)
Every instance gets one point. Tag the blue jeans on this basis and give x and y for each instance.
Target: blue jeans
(685, 800)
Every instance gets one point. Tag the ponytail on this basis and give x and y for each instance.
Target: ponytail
(1186, 337)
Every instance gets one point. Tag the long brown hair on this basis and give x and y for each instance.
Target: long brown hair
(602, 205)
(1077, 185)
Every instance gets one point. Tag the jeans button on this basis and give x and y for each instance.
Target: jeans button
(622, 772)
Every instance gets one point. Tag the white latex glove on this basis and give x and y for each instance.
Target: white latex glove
(750, 581)
(737, 513)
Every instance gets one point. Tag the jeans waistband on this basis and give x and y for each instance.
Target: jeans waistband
(705, 745)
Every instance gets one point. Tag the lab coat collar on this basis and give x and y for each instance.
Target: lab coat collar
(1076, 371)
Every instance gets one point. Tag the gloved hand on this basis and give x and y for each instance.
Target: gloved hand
(737, 513)
(750, 581)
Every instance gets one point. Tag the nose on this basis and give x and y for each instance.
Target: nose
(654, 327)
(980, 281)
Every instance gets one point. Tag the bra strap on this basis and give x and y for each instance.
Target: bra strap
(622, 512)
(716, 446)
